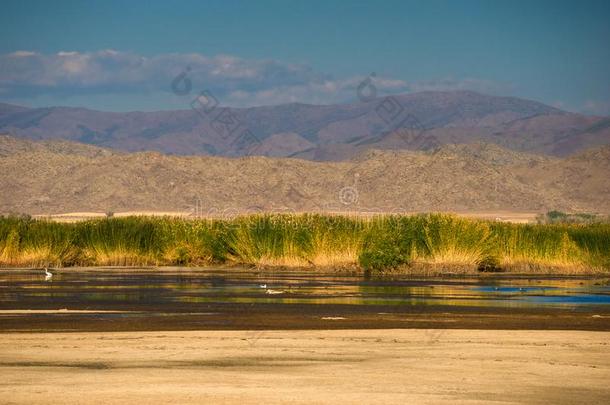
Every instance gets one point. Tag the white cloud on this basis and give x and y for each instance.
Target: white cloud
(104, 70)
(449, 84)
(19, 54)
(596, 107)
(233, 80)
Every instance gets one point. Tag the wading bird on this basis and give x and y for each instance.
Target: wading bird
(47, 274)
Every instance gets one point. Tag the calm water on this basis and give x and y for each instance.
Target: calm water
(187, 287)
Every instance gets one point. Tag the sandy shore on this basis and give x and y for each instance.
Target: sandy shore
(340, 366)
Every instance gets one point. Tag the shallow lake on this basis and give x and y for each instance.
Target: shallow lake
(245, 296)
(191, 286)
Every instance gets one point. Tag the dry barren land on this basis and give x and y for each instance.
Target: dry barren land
(340, 366)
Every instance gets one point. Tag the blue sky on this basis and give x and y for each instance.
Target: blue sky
(123, 55)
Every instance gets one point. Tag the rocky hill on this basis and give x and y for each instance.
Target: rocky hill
(55, 177)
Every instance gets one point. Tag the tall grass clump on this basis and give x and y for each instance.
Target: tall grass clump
(532, 247)
(192, 243)
(430, 240)
(451, 240)
(392, 242)
(132, 241)
(46, 243)
(594, 243)
(336, 241)
(27, 242)
(267, 240)
(11, 229)
(297, 240)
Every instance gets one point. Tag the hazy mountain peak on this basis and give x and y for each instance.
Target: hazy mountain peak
(417, 121)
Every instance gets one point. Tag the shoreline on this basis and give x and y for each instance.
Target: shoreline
(251, 367)
(423, 272)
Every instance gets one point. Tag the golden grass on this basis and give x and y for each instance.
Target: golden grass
(429, 243)
(119, 256)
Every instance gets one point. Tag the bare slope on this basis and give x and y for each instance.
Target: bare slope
(63, 177)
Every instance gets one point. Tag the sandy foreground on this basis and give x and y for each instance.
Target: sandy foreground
(339, 366)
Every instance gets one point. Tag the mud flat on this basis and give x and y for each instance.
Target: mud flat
(332, 366)
(220, 337)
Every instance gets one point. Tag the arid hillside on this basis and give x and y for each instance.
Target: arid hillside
(55, 177)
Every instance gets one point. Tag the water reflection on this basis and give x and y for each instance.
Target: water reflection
(190, 287)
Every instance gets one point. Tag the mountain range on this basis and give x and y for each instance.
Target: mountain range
(418, 121)
(46, 177)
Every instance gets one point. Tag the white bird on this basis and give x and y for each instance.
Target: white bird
(47, 274)
(263, 286)
(274, 292)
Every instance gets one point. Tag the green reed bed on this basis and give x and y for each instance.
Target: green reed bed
(594, 241)
(114, 242)
(379, 243)
(36, 243)
(185, 242)
(295, 240)
(434, 240)
(536, 246)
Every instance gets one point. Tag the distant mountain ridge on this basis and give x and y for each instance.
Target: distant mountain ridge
(417, 121)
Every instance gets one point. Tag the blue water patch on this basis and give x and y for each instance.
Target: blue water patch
(191, 288)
